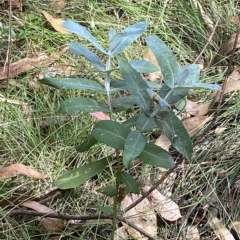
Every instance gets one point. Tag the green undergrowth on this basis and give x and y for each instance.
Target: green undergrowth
(46, 142)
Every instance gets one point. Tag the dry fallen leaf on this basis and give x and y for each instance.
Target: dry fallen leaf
(141, 216)
(30, 63)
(192, 233)
(58, 5)
(163, 205)
(121, 234)
(196, 109)
(225, 48)
(56, 23)
(235, 228)
(163, 142)
(219, 130)
(17, 169)
(52, 224)
(220, 230)
(195, 124)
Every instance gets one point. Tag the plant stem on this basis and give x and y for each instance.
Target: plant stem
(107, 85)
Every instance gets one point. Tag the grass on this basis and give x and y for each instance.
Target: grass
(50, 148)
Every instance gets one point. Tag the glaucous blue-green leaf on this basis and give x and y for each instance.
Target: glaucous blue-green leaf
(173, 128)
(76, 28)
(108, 190)
(111, 133)
(73, 83)
(133, 146)
(156, 156)
(87, 144)
(215, 87)
(79, 49)
(131, 185)
(80, 175)
(131, 121)
(117, 85)
(135, 84)
(143, 66)
(157, 99)
(111, 34)
(188, 74)
(122, 40)
(166, 60)
(123, 103)
(145, 124)
(81, 104)
(153, 85)
(180, 106)
(172, 95)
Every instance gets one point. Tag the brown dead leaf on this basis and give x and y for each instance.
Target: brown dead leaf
(220, 230)
(235, 227)
(195, 124)
(196, 109)
(30, 63)
(121, 234)
(225, 48)
(192, 233)
(52, 224)
(163, 205)
(205, 17)
(150, 57)
(58, 5)
(163, 142)
(17, 169)
(141, 216)
(56, 23)
(219, 130)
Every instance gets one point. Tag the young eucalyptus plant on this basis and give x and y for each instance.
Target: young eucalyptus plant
(155, 101)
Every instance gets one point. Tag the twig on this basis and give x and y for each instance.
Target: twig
(208, 42)
(136, 228)
(153, 187)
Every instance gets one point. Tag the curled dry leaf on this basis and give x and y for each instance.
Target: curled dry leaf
(121, 234)
(17, 169)
(56, 23)
(163, 205)
(58, 5)
(219, 130)
(226, 48)
(196, 109)
(52, 224)
(220, 230)
(195, 124)
(192, 233)
(29, 63)
(141, 216)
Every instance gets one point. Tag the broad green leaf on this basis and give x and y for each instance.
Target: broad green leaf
(166, 60)
(154, 85)
(188, 74)
(108, 210)
(79, 49)
(143, 66)
(180, 106)
(80, 104)
(145, 124)
(131, 121)
(122, 40)
(111, 34)
(130, 183)
(111, 133)
(81, 174)
(173, 128)
(199, 85)
(72, 83)
(135, 84)
(109, 190)
(133, 146)
(87, 144)
(123, 103)
(173, 95)
(76, 28)
(156, 156)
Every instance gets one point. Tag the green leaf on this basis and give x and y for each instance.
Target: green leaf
(72, 83)
(80, 104)
(156, 156)
(145, 124)
(123, 103)
(111, 133)
(135, 84)
(109, 190)
(82, 32)
(188, 74)
(131, 121)
(130, 183)
(134, 145)
(173, 128)
(79, 49)
(81, 174)
(213, 87)
(166, 60)
(143, 66)
(87, 144)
